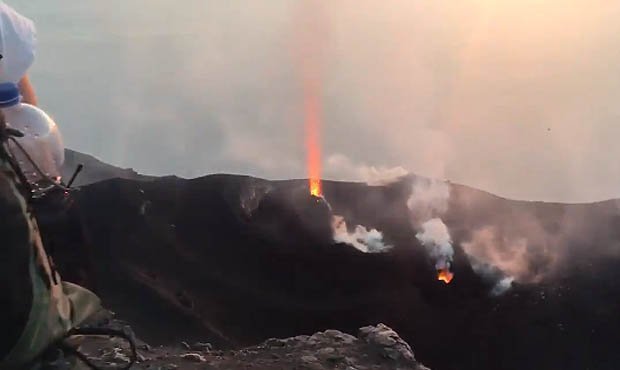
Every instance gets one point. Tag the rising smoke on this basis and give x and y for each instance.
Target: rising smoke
(435, 237)
(523, 245)
(429, 198)
(428, 202)
(502, 286)
(509, 255)
(493, 98)
(341, 167)
(367, 241)
(497, 256)
(491, 274)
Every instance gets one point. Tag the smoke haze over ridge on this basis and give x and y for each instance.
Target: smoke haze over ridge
(517, 97)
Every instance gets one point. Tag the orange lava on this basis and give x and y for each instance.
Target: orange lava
(445, 275)
(311, 40)
(315, 187)
(313, 146)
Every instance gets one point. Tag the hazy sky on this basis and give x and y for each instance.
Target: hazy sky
(518, 97)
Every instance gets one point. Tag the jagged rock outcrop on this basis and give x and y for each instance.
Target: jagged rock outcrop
(375, 348)
(386, 342)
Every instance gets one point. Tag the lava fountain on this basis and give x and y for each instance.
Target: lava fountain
(311, 44)
(313, 144)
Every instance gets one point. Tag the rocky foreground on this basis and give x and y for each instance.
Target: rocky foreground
(375, 347)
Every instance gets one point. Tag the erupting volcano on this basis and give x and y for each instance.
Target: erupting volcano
(250, 250)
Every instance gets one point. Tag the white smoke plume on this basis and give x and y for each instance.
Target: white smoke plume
(427, 202)
(491, 273)
(340, 167)
(436, 239)
(501, 257)
(429, 198)
(502, 286)
(506, 254)
(367, 241)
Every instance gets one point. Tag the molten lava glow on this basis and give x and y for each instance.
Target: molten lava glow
(313, 146)
(311, 43)
(315, 187)
(445, 275)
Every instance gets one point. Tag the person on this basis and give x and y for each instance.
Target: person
(17, 50)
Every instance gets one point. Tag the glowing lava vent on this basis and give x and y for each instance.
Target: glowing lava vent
(445, 275)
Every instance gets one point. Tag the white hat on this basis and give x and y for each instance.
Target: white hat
(17, 44)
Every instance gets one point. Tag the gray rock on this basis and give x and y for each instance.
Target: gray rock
(145, 347)
(330, 337)
(202, 346)
(387, 342)
(194, 357)
(274, 342)
(114, 355)
(327, 351)
(336, 358)
(349, 361)
(288, 342)
(339, 336)
(308, 359)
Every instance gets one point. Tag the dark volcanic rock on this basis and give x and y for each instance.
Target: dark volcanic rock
(326, 350)
(291, 216)
(234, 260)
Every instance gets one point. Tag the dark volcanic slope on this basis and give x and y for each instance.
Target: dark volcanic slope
(236, 260)
(94, 170)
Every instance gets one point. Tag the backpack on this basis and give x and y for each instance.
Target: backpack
(40, 311)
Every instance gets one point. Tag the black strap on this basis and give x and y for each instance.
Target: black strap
(102, 331)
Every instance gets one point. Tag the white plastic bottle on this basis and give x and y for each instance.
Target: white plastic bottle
(41, 140)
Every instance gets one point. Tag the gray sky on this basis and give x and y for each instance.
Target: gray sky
(518, 97)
